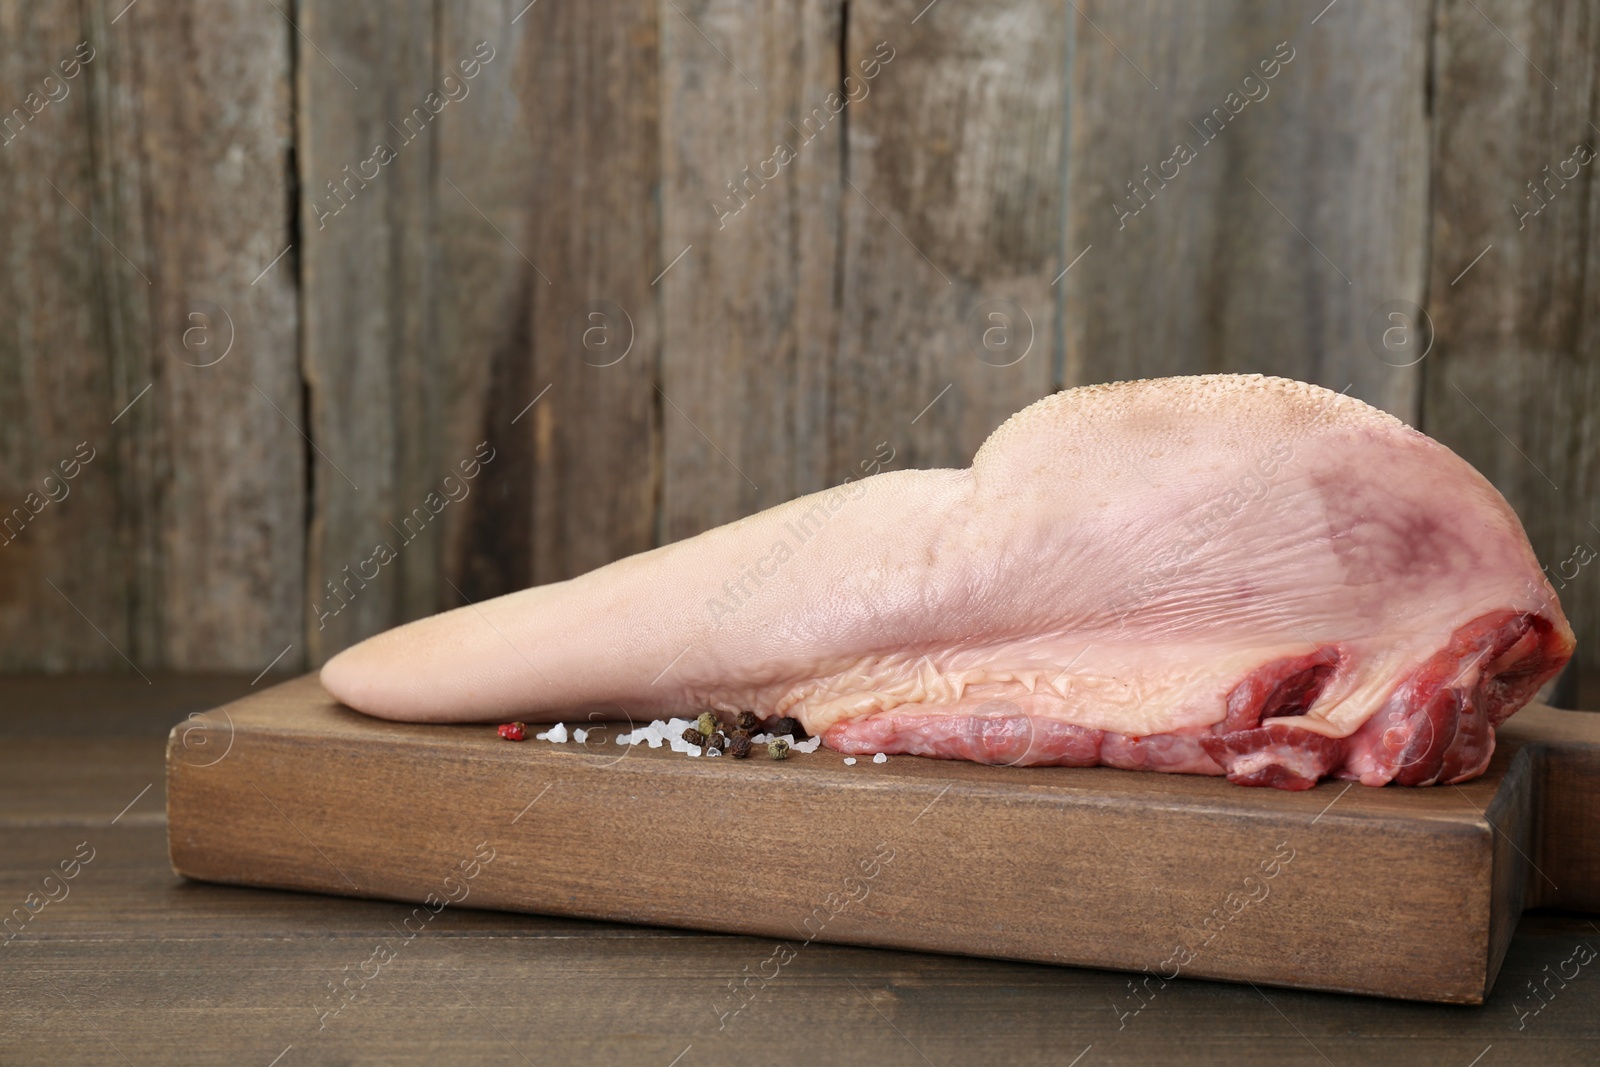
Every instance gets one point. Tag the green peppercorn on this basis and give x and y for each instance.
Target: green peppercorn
(739, 747)
(707, 723)
(778, 749)
(747, 721)
(694, 737)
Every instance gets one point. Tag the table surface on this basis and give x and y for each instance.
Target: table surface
(132, 964)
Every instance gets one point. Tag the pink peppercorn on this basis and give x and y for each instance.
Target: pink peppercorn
(513, 731)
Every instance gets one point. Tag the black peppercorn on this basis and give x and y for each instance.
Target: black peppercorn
(694, 737)
(747, 721)
(739, 747)
(717, 740)
(790, 726)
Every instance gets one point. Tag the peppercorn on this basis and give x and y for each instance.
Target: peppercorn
(694, 737)
(788, 725)
(738, 733)
(747, 721)
(718, 740)
(739, 747)
(778, 749)
(707, 723)
(513, 731)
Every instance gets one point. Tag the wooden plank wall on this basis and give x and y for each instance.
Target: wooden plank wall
(140, 208)
(952, 213)
(644, 269)
(1248, 185)
(1514, 383)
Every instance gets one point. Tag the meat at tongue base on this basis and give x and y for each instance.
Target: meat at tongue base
(1438, 726)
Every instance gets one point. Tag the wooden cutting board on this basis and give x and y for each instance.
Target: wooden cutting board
(1397, 892)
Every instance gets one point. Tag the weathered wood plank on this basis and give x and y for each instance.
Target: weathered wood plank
(482, 291)
(1264, 240)
(57, 390)
(951, 214)
(751, 187)
(194, 134)
(150, 196)
(216, 993)
(543, 152)
(112, 705)
(367, 139)
(588, 92)
(1513, 383)
(109, 777)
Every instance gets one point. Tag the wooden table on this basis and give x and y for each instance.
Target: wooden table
(135, 965)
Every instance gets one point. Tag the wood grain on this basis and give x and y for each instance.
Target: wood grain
(588, 90)
(1295, 218)
(1099, 867)
(750, 320)
(244, 971)
(173, 971)
(1513, 384)
(104, 777)
(55, 362)
(371, 370)
(481, 293)
(112, 705)
(193, 123)
(153, 194)
(464, 350)
(1566, 867)
(952, 212)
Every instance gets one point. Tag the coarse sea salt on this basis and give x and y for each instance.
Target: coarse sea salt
(810, 744)
(880, 758)
(654, 734)
(849, 761)
(556, 733)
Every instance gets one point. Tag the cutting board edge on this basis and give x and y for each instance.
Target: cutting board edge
(186, 791)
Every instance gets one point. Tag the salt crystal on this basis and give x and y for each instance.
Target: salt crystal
(880, 758)
(557, 734)
(808, 745)
(580, 736)
(849, 761)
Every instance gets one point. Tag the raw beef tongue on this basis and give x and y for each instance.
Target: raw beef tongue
(1224, 574)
